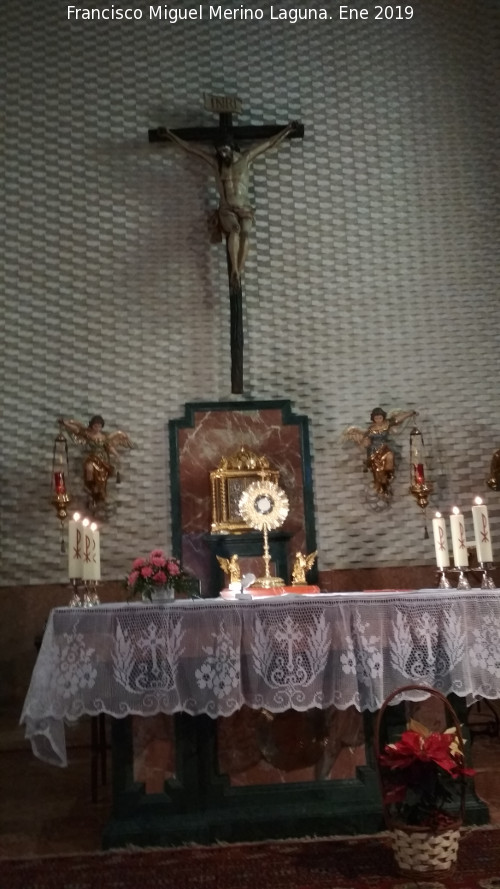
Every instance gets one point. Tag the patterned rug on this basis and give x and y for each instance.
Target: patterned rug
(338, 863)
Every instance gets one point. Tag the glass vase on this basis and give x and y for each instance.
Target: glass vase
(163, 594)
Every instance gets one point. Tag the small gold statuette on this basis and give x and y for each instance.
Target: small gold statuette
(301, 565)
(231, 567)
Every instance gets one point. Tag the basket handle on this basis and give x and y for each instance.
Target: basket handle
(430, 692)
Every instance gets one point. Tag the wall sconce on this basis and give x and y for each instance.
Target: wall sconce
(420, 486)
(60, 481)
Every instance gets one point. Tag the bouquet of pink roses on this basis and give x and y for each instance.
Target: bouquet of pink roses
(150, 574)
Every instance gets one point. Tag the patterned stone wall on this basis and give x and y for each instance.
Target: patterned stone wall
(373, 277)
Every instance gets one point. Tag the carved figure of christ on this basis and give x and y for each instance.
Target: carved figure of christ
(233, 218)
(231, 169)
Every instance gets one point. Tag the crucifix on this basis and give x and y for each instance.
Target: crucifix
(233, 219)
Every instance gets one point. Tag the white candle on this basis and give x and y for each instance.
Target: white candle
(457, 525)
(441, 541)
(91, 551)
(482, 532)
(87, 550)
(75, 547)
(96, 555)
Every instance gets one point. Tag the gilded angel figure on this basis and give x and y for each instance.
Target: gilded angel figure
(231, 567)
(301, 565)
(376, 440)
(101, 453)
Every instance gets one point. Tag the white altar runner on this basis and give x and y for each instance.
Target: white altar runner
(213, 656)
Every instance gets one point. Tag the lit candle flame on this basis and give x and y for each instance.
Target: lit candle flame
(478, 501)
(456, 510)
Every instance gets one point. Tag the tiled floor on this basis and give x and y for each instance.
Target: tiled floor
(45, 810)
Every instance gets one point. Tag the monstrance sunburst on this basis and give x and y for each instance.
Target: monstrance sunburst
(264, 506)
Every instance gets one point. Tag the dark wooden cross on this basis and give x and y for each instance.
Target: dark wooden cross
(225, 107)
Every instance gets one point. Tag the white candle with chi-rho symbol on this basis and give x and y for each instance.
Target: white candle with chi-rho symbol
(482, 532)
(441, 541)
(459, 543)
(96, 551)
(91, 551)
(75, 547)
(86, 549)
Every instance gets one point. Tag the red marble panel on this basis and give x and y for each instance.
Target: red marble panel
(257, 747)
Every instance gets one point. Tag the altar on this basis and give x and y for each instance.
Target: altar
(194, 664)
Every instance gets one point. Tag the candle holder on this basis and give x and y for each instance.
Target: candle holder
(444, 583)
(463, 583)
(84, 593)
(487, 582)
(76, 601)
(91, 595)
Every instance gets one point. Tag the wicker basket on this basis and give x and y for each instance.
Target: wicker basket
(420, 852)
(416, 849)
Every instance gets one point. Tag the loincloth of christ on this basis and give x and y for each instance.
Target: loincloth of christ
(227, 219)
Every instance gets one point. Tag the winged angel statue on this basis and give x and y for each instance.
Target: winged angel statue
(101, 453)
(231, 567)
(301, 566)
(379, 453)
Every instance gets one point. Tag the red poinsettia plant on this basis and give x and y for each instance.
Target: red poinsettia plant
(422, 775)
(155, 571)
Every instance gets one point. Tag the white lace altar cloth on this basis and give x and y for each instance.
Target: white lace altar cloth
(213, 656)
